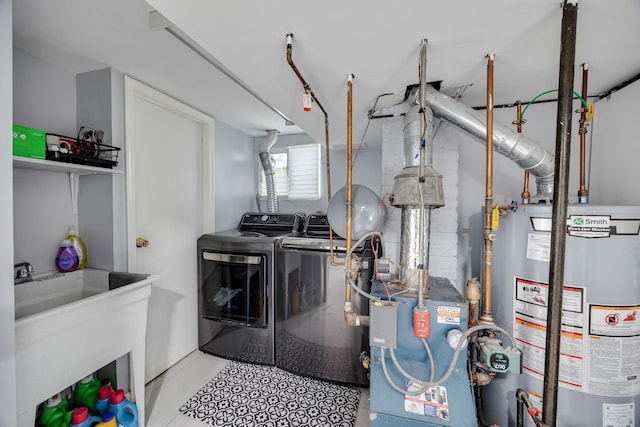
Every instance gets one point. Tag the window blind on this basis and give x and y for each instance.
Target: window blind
(304, 172)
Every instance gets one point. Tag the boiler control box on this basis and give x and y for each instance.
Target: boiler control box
(383, 326)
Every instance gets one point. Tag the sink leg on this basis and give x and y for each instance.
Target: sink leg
(137, 356)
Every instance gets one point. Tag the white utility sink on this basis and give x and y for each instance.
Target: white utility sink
(68, 325)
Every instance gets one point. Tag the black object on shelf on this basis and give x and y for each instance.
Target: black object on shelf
(82, 152)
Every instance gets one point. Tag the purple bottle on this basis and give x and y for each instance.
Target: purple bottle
(67, 258)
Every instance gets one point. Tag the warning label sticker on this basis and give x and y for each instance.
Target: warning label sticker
(448, 315)
(432, 403)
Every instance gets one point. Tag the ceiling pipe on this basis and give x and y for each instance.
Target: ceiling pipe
(308, 90)
(525, 152)
(559, 212)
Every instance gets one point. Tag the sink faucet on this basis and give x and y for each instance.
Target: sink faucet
(22, 273)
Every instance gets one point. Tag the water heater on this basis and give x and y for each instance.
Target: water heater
(599, 381)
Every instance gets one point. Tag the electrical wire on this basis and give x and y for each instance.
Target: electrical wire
(347, 273)
(584, 103)
(355, 159)
(456, 354)
(432, 365)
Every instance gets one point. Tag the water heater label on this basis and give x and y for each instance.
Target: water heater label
(539, 247)
(618, 414)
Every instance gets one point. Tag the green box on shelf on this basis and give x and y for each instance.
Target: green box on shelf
(28, 142)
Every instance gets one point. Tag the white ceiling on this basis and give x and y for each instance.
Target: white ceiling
(377, 41)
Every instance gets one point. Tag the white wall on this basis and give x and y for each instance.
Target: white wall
(44, 95)
(616, 149)
(7, 311)
(234, 176)
(44, 98)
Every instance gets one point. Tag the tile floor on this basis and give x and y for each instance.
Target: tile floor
(165, 394)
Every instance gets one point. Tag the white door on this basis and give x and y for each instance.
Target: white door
(169, 158)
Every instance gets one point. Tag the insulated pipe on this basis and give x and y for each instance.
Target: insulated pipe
(559, 213)
(583, 193)
(307, 88)
(416, 193)
(265, 159)
(528, 154)
(487, 317)
(423, 266)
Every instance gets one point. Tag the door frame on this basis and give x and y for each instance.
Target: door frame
(135, 89)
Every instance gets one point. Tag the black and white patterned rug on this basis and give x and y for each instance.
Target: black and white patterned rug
(250, 395)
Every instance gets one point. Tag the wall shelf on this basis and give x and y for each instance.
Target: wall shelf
(53, 166)
(75, 171)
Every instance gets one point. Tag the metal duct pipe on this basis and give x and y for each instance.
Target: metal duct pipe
(528, 154)
(417, 189)
(267, 166)
(559, 212)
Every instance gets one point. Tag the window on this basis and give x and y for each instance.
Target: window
(297, 172)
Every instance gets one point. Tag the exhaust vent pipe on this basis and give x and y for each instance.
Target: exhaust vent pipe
(528, 154)
(267, 166)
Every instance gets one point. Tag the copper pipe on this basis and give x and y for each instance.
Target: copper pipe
(488, 206)
(473, 295)
(583, 193)
(526, 195)
(349, 178)
(351, 318)
(307, 88)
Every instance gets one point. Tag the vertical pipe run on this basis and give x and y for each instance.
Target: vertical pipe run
(559, 213)
(349, 212)
(583, 193)
(424, 261)
(526, 195)
(350, 317)
(488, 204)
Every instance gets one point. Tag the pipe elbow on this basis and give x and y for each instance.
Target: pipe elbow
(352, 319)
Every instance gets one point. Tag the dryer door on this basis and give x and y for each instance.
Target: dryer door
(234, 288)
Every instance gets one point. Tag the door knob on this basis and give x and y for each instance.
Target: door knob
(141, 243)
